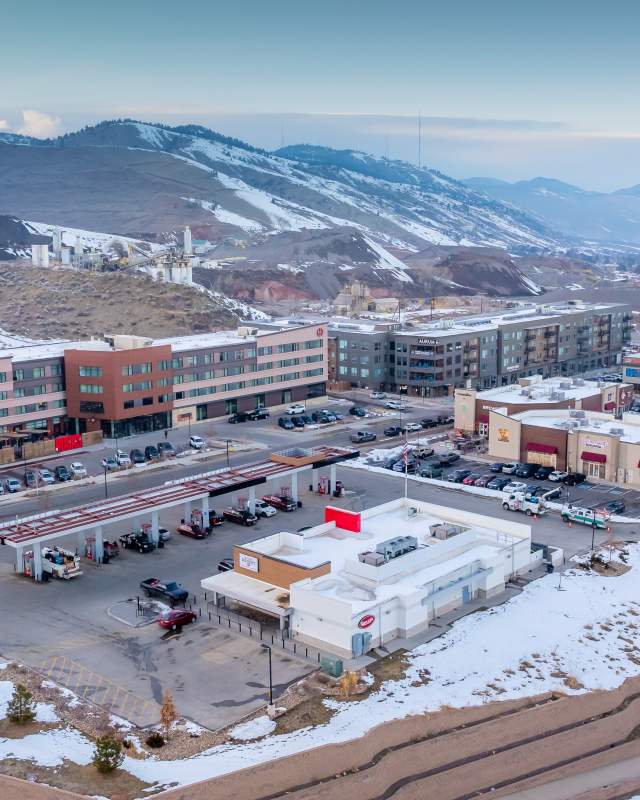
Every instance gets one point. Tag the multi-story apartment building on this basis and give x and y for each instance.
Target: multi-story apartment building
(481, 352)
(128, 384)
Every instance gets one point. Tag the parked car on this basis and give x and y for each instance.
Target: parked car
(322, 417)
(264, 509)
(197, 442)
(78, 470)
(174, 618)
(280, 501)
(509, 469)
(164, 534)
(123, 459)
(411, 427)
(496, 466)
(240, 516)
(483, 480)
(192, 529)
(298, 422)
(573, 478)
(137, 456)
(542, 473)
(137, 540)
(614, 507)
(215, 520)
(458, 475)
(296, 408)
(498, 483)
(306, 419)
(32, 478)
(423, 451)
(377, 395)
(62, 473)
(46, 477)
(550, 494)
(13, 485)
(396, 405)
(168, 590)
(358, 411)
(362, 436)
(285, 422)
(399, 466)
(151, 453)
(109, 463)
(471, 479)
(392, 430)
(258, 413)
(430, 471)
(515, 486)
(166, 449)
(239, 416)
(532, 488)
(429, 423)
(526, 470)
(331, 416)
(225, 564)
(557, 475)
(446, 459)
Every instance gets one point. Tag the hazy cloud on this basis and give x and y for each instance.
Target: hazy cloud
(39, 124)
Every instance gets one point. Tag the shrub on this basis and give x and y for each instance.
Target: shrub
(21, 708)
(155, 739)
(107, 755)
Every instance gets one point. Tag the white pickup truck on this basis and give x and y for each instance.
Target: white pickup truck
(527, 503)
(60, 563)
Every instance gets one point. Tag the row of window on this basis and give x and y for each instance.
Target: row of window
(55, 370)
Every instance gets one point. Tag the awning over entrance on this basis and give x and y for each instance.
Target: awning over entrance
(598, 458)
(272, 600)
(537, 447)
(610, 405)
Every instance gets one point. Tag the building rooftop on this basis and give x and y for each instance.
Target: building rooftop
(544, 391)
(27, 350)
(627, 429)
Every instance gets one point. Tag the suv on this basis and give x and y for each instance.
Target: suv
(574, 478)
(363, 436)
(13, 485)
(446, 459)
(197, 442)
(45, 476)
(151, 453)
(392, 430)
(258, 413)
(526, 470)
(358, 411)
(285, 422)
(123, 459)
(458, 475)
(166, 449)
(542, 473)
(239, 416)
(62, 473)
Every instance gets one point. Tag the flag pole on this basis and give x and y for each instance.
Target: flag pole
(405, 456)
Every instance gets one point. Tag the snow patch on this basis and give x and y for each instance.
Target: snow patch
(254, 729)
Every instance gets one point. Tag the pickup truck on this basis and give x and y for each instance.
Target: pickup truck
(137, 541)
(584, 516)
(526, 503)
(239, 516)
(280, 501)
(215, 520)
(168, 590)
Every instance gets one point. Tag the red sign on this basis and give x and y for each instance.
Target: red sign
(320, 332)
(366, 621)
(71, 442)
(347, 520)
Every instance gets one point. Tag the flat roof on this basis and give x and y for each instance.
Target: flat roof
(540, 391)
(47, 349)
(593, 422)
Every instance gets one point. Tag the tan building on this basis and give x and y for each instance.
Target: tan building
(594, 443)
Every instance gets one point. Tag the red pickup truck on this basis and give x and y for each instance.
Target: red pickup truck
(280, 501)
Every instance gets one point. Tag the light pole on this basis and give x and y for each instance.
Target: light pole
(268, 649)
(106, 487)
(227, 443)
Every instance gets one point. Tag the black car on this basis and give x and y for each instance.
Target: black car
(137, 541)
(166, 449)
(225, 564)
(62, 473)
(285, 422)
(496, 466)
(573, 478)
(258, 413)
(358, 411)
(392, 430)
(429, 423)
(306, 419)
(542, 473)
(239, 416)
(298, 422)
(614, 507)
(526, 470)
(498, 483)
(458, 475)
(151, 453)
(137, 457)
(168, 590)
(448, 458)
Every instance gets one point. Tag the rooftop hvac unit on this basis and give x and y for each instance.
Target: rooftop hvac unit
(578, 413)
(578, 382)
(374, 559)
(392, 548)
(565, 385)
(616, 431)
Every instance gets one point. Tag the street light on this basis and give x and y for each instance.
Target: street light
(227, 441)
(106, 487)
(268, 648)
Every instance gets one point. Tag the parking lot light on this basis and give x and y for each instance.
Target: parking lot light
(268, 649)
(106, 486)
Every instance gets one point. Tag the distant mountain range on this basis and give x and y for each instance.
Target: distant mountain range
(610, 218)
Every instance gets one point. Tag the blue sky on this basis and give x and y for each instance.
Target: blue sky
(506, 88)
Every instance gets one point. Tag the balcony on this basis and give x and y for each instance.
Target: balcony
(550, 334)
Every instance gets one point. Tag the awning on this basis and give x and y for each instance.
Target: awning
(610, 405)
(537, 447)
(599, 458)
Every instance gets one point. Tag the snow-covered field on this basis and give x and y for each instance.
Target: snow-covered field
(573, 638)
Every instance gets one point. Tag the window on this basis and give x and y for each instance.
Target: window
(231, 387)
(91, 407)
(27, 409)
(261, 381)
(231, 355)
(4, 395)
(19, 392)
(4, 412)
(58, 403)
(250, 353)
(38, 372)
(18, 374)
(318, 357)
(90, 372)
(289, 376)
(288, 347)
(289, 362)
(176, 363)
(91, 388)
(265, 351)
(127, 404)
(313, 343)
(207, 358)
(311, 372)
(164, 398)
(343, 344)
(136, 369)
(178, 379)
(364, 373)
(136, 387)
(164, 365)
(189, 361)
(3, 377)
(232, 371)
(56, 387)
(343, 370)
(162, 382)
(147, 401)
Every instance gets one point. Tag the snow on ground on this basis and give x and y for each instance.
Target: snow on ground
(90, 239)
(49, 748)
(45, 712)
(389, 262)
(222, 215)
(254, 729)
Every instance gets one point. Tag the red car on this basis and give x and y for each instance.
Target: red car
(193, 530)
(174, 618)
(471, 479)
(484, 480)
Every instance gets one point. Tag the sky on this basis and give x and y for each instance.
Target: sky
(506, 89)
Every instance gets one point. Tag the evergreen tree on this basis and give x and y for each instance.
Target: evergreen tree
(21, 707)
(107, 754)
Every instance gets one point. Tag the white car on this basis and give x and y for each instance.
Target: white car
(296, 408)
(514, 486)
(197, 442)
(46, 477)
(264, 509)
(377, 395)
(78, 469)
(109, 463)
(509, 469)
(557, 475)
(122, 459)
(396, 405)
(412, 427)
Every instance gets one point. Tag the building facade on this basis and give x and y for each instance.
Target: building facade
(481, 352)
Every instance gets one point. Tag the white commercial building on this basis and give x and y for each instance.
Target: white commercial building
(360, 580)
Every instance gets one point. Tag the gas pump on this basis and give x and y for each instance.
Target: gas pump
(323, 485)
(90, 548)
